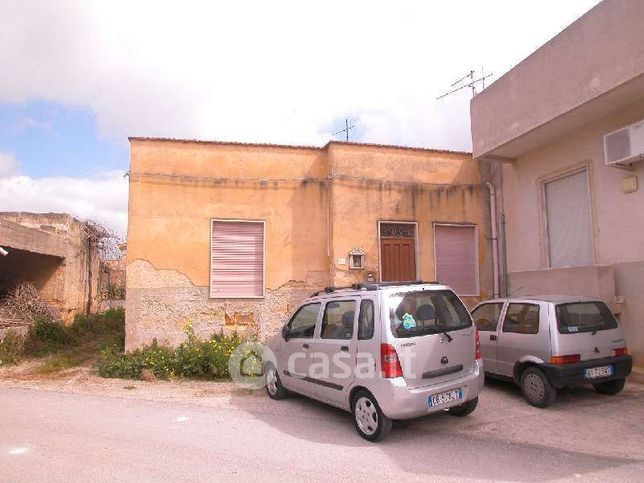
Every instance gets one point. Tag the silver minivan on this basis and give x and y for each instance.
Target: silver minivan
(547, 343)
(382, 351)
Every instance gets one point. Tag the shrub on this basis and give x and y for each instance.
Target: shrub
(195, 358)
(156, 358)
(113, 363)
(12, 348)
(45, 337)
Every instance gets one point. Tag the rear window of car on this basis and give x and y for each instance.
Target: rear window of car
(584, 317)
(427, 312)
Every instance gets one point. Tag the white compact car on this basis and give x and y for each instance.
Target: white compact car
(381, 351)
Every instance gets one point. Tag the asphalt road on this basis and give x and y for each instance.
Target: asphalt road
(55, 436)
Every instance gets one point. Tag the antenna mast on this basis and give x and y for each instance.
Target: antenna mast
(469, 80)
(346, 129)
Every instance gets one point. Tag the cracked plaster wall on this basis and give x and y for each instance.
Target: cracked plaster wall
(160, 302)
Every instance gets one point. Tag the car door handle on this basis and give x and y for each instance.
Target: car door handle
(344, 348)
(305, 346)
(493, 337)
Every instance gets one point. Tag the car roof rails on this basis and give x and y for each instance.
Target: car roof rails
(333, 289)
(372, 286)
(400, 284)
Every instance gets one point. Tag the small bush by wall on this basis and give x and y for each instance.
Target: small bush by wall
(45, 337)
(12, 348)
(195, 358)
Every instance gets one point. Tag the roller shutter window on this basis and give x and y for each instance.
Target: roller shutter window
(237, 259)
(570, 242)
(456, 258)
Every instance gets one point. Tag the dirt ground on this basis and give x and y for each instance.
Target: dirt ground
(82, 380)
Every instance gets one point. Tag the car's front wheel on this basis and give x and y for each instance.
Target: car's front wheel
(536, 388)
(274, 386)
(611, 387)
(368, 418)
(464, 409)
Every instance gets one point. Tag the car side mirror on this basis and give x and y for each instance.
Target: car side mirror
(286, 332)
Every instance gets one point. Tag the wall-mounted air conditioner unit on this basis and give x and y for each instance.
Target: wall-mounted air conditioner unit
(625, 146)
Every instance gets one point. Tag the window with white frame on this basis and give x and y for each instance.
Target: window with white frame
(568, 221)
(455, 247)
(237, 259)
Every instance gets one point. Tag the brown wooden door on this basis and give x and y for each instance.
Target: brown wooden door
(398, 259)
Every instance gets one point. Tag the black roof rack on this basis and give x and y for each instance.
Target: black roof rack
(415, 282)
(373, 286)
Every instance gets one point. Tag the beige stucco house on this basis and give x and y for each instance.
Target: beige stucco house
(568, 221)
(232, 236)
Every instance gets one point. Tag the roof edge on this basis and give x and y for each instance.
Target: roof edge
(295, 146)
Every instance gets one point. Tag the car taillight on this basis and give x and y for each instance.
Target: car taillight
(569, 359)
(477, 348)
(622, 351)
(389, 361)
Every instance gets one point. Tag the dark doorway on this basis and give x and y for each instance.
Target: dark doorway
(398, 252)
(38, 269)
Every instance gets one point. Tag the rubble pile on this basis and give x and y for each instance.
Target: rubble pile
(25, 303)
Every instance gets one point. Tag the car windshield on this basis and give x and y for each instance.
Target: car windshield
(584, 317)
(426, 312)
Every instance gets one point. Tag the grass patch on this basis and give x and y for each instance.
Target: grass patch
(55, 363)
(65, 346)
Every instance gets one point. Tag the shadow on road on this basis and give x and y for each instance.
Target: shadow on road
(437, 444)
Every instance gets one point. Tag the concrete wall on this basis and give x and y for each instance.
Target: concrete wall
(618, 218)
(618, 222)
(318, 204)
(593, 281)
(51, 251)
(599, 52)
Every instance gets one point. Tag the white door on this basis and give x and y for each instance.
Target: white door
(486, 317)
(524, 333)
(295, 353)
(333, 359)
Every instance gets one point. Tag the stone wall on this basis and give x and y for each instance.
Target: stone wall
(51, 251)
(160, 303)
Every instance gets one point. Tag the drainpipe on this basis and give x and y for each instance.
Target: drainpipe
(495, 238)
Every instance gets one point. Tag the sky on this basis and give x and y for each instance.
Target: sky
(79, 77)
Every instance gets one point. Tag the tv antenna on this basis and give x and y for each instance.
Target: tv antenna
(468, 80)
(346, 129)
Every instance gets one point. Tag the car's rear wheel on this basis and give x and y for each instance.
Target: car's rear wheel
(464, 409)
(536, 388)
(368, 418)
(274, 386)
(611, 387)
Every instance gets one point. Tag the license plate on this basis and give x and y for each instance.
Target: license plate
(445, 397)
(595, 372)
